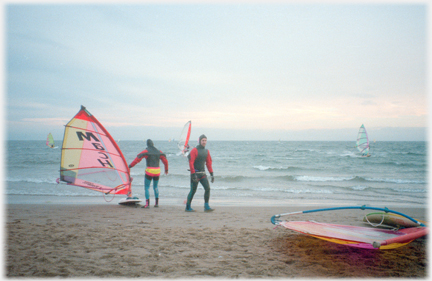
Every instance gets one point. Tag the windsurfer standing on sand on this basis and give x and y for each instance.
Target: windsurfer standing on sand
(199, 156)
(152, 172)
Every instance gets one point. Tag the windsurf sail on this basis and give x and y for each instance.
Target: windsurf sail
(91, 158)
(50, 141)
(355, 236)
(362, 143)
(183, 143)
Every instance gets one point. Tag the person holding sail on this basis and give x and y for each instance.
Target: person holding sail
(199, 156)
(152, 171)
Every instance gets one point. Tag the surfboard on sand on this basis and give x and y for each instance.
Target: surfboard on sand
(133, 201)
(388, 219)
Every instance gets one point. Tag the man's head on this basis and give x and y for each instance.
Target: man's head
(203, 140)
(150, 142)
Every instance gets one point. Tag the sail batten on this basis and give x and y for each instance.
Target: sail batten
(91, 158)
(72, 127)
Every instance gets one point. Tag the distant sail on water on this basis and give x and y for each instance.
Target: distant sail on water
(362, 143)
(184, 138)
(90, 157)
(50, 141)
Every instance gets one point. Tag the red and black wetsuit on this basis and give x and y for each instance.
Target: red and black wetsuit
(152, 156)
(198, 157)
(152, 172)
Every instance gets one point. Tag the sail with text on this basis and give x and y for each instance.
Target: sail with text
(91, 158)
(362, 143)
(183, 143)
(50, 141)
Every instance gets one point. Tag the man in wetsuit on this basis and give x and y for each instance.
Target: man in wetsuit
(199, 156)
(152, 172)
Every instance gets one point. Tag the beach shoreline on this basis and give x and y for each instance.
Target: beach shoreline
(104, 240)
(99, 199)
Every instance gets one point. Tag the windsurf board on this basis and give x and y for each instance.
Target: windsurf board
(130, 201)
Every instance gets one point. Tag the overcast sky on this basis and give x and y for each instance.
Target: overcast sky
(238, 71)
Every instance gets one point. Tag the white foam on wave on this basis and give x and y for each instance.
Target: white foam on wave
(315, 191)
(264, 168)
(48, 193)
(223, 187)
(321, 179)
(32, 180)
(409, 190)
(399, 181)
(349, 154)
(359, 187)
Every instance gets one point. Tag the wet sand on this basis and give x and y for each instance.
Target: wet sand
(97, 240)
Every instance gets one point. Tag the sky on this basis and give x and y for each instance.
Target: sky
(241, 71)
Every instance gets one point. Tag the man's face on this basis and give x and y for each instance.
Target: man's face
(204, 142)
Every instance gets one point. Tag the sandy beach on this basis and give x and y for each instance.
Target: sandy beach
(97, 240)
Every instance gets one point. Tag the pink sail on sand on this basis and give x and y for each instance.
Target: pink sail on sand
(356, 236)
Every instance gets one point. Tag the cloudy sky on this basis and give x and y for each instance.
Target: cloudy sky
(238, 71)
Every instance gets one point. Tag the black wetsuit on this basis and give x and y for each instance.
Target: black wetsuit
(198, 157)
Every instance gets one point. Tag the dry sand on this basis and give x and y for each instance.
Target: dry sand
(85, 241)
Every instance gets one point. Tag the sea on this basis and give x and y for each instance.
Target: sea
(280, 173)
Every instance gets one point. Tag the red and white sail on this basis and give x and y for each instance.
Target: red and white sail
(183, 143)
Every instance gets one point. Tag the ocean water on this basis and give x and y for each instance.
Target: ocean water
(250, 172)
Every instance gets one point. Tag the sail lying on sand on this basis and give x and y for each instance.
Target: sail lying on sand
(362, 143)
(355, 236)
(91, 158)
(183, 143)
(50, 141)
